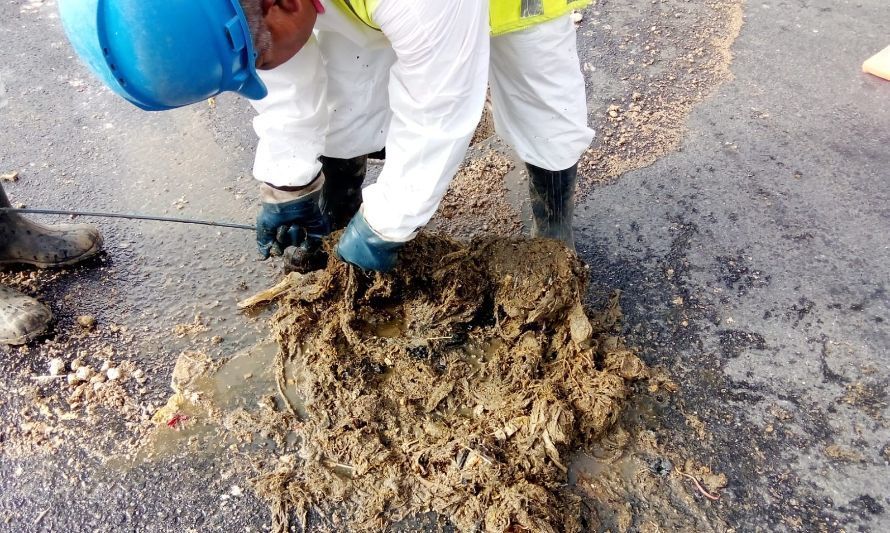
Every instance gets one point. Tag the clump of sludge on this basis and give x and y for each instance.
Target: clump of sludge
(458, 384)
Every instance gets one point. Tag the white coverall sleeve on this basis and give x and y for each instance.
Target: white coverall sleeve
(292, 121)
(436, 92)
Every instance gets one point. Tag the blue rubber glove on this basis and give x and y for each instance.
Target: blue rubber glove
(298, 222)
(363, 247)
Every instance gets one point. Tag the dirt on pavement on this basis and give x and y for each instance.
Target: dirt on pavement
(463, 384)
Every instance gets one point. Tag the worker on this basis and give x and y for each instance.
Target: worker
(335, 80)
(22, 241)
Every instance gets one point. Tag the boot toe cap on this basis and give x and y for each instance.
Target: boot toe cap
(22, 319)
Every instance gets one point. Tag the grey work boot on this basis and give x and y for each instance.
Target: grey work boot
(341, 195)
(22, 319)
(26, 242)
(553, 202)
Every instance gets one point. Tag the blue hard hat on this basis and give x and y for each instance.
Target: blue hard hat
(165, 54)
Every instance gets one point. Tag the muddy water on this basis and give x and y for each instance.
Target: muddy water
(585, 465)
(244, 381)
(389, 329)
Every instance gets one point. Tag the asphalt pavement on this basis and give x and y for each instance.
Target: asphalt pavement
(753, 263)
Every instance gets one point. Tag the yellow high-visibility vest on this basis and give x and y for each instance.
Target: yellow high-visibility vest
(505, 15)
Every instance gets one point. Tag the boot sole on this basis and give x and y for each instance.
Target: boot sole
(21, 341)
(97, 247)
(25, 339)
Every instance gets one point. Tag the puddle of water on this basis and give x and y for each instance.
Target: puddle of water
(244, 381)
(478, 354)
(585, 465)
(390, 329)
(614, 455)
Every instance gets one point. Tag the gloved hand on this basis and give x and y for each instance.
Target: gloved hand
(363, 247)
(295, 222)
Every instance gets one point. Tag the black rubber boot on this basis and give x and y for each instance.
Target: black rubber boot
(341, 195)
(553, 202)
(379, 155)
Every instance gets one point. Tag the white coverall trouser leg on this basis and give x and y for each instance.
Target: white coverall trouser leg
(538, 96)
(537, 88)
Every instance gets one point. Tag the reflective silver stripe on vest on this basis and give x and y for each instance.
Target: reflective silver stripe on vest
(532, 8)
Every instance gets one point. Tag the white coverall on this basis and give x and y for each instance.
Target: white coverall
(418, 88)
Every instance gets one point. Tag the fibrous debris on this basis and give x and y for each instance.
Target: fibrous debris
(458, 384)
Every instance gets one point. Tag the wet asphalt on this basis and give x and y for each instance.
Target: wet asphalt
(753, 264)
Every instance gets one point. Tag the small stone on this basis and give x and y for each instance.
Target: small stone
(236, 491)
(661, 466)
(72, 378)
(105, 366)
(577, 16)
(84, 373)
(113, 373)
(56, 367)
(97, 378)
(10, 176)
(87, 321)
(138, 373)
(77, 363)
